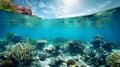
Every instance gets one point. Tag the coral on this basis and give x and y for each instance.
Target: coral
(97, 41)
(114, 59)
(71, 62)
(76, 47)
(43, 56)
(108, 46)
(31, 41)
(11, 37)
(53, 51)
(2, 57)
(3, 43)
(20, 51)
(7, 63)
(56, 61)
(40, 44)
(56, 51)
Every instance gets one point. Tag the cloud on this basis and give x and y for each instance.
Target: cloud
(46, 12)
(68, 8)
(42, 4)
(58, 8)
(64, 8)
(69, 13)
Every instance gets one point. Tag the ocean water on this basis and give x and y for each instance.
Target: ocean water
(77, 28)
(84, 28)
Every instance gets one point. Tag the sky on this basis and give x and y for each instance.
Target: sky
(67, 8)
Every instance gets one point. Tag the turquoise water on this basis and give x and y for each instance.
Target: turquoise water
(86, 41)
(105, 23)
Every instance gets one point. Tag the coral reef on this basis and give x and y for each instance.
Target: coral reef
(108, 46)
(114, 59)
(76, 47)
(97, 42)
(27, 52)
(20, 51)
(56, 51)
(40, 44)
(42, 57)
(53, 50)
(56, 62)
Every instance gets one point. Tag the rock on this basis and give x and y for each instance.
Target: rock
(56, 62)
(43, 56)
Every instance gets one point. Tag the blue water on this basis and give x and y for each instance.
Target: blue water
(76, 28)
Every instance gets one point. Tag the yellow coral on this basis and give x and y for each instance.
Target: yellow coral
(114, 59)
(20, 51)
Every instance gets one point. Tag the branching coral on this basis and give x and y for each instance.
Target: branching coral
(114, 59)
(20, 51)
